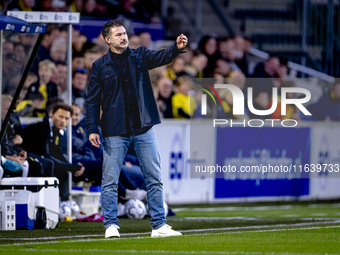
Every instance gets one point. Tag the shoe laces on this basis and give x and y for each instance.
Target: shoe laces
(114, 226)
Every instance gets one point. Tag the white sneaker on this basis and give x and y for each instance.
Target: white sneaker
(112, 231)
(135, 194)
(165, 230)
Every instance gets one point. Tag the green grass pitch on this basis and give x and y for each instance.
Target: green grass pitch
(249, 229)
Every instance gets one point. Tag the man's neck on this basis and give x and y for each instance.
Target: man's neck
(117, 51)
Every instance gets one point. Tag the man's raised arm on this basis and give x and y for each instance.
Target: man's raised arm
(163, 57)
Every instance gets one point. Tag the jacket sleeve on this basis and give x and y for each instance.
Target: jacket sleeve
(93, 101)
(162, 57)
(64, 164)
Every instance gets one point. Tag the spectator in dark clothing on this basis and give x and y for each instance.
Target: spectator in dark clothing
(12, 147)
(82, 151)
(228, 52)
(7, 48)
(44, 139)
(266, 71)
(79, 81)
(51, 34)
(165, 93)
(208, 46)
(240, 55)
(11, 69)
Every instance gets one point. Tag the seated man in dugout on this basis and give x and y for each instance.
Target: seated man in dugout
(44, 139)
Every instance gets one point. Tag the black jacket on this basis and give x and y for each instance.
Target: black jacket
(37, 139)
(103, 90)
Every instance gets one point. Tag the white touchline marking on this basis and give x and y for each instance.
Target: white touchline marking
(262, 226)
(213, 218)
(170, 252)
(319, 214)
(254, 208)
(234, 208)
(279, 226)
(246, 218)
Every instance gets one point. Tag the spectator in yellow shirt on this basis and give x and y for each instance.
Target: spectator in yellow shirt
(183, 105)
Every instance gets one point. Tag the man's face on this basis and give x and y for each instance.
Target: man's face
(61, 118)
(27, 39)
(7, 47)
(45, 74)
(145, 39)
(19, 52)
(78, 62)
(89, 58)
(59, 53)
(79, 81)
(165, 87)
(184, 88)
(178, 65)
(75, 115)
(223, 66)
(4, 109)
(118, 38)
(134, 42)
(55, 76)
(272, 65)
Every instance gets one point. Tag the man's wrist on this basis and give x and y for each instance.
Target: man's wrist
(182, 50)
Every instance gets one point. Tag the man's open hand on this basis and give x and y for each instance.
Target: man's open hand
(181, 41)
(95, 140)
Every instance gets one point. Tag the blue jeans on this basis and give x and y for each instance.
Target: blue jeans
(115, 148)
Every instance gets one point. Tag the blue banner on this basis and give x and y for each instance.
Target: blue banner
(257, 151)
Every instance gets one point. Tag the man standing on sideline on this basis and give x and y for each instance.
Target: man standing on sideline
(120, 86)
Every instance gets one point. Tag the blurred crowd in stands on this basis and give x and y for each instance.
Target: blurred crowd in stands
(217, 60)
(144, 10)
(223, 59)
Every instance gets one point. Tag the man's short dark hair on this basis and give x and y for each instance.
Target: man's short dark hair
(76, 105)
(62, 106)
(112, 23)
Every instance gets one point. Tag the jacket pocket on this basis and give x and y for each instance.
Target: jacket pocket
(109, 82)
